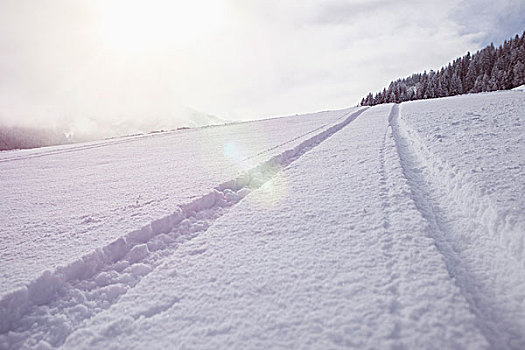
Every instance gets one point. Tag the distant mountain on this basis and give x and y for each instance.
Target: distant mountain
(27, 137)
(20, 137)
(197, 119)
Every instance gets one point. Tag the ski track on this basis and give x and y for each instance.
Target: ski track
(57, 303)
(468, 233)
(404, 239)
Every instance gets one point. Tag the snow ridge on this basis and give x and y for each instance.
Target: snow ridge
(52, 306)
(483, 250)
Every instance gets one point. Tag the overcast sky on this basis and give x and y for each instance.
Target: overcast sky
(81, 62)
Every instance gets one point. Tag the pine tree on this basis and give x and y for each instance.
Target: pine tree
(470, 78)
(519, 74)
(455, 85)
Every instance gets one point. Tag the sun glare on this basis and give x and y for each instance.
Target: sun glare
(148, 25)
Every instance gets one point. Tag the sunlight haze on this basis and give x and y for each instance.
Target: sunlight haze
(126, 66)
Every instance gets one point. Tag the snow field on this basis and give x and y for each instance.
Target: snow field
(61, 203)
(342, 260)
(45, 312)
(398, 226)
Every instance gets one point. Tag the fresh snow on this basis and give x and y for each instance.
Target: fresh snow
(397, 226)
(467, 176)
(60, 203)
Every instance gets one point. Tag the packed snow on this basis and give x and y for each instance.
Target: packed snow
(396, 226)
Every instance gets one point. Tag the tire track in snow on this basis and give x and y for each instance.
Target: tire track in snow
(51, 307)
(490, 278)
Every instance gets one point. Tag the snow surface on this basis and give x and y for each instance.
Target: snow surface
(466, 161)
(397, 226)
(60, 203)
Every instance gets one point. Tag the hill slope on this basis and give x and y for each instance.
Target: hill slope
(391, 226)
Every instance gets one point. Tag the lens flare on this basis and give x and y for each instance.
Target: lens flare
(231, 152)
(272, 193)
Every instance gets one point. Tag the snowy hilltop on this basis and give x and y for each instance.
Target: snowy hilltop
(394, 226)
(489, 69)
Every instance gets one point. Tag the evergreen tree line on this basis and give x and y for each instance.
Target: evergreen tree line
(489, 69)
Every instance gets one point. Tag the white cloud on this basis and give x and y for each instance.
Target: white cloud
(493, 21)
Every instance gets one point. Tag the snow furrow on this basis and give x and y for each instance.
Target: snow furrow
(55, 304)
(405, 241)
(388, 243)
(482, 251)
